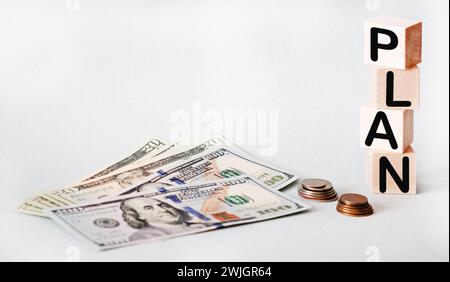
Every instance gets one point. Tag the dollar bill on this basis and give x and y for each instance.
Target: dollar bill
(36, 205)
(105, 185)
(174, 211)
(173, 149)
(43, 203)
(215, 164)
(29, 209)
(153, 148)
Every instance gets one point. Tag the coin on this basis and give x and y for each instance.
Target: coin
(323, 192)
(356, 208)
(327, 199)
(357, 211)
(356, 214)
(354, 205)
(317, 190)
(314, 183)
(353, 200)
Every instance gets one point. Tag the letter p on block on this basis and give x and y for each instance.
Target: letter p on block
(393, 43)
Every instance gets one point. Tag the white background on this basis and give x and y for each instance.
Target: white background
(83, 82)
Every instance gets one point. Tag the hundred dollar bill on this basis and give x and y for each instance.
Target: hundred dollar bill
(105, 186)
(174, 211)
(215, 164)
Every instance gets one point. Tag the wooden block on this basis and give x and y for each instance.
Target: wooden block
(387, 130)
(395, 89)
(393, 43)
(391, 173)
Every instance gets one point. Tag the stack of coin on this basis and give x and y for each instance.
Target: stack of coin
(354, 205)
(318, 190)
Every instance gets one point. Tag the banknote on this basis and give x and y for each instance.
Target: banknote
(215, 164)
(30, 209)
(103, 186)
(174, 211)
(155, 147)
(36, 205)
(43, 203)
(174, 148)
(110, 185)
(148, 151)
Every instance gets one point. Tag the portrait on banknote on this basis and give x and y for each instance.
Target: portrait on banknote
(153, 218)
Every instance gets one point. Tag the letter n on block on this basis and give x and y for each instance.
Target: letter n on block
(391, 173)
(388, 130)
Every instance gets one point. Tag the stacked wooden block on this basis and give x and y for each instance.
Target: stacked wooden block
(394, 48)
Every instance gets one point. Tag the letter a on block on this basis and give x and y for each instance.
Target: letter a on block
(381, 117)
(391, 173)
(389, 130)
(393, 43)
